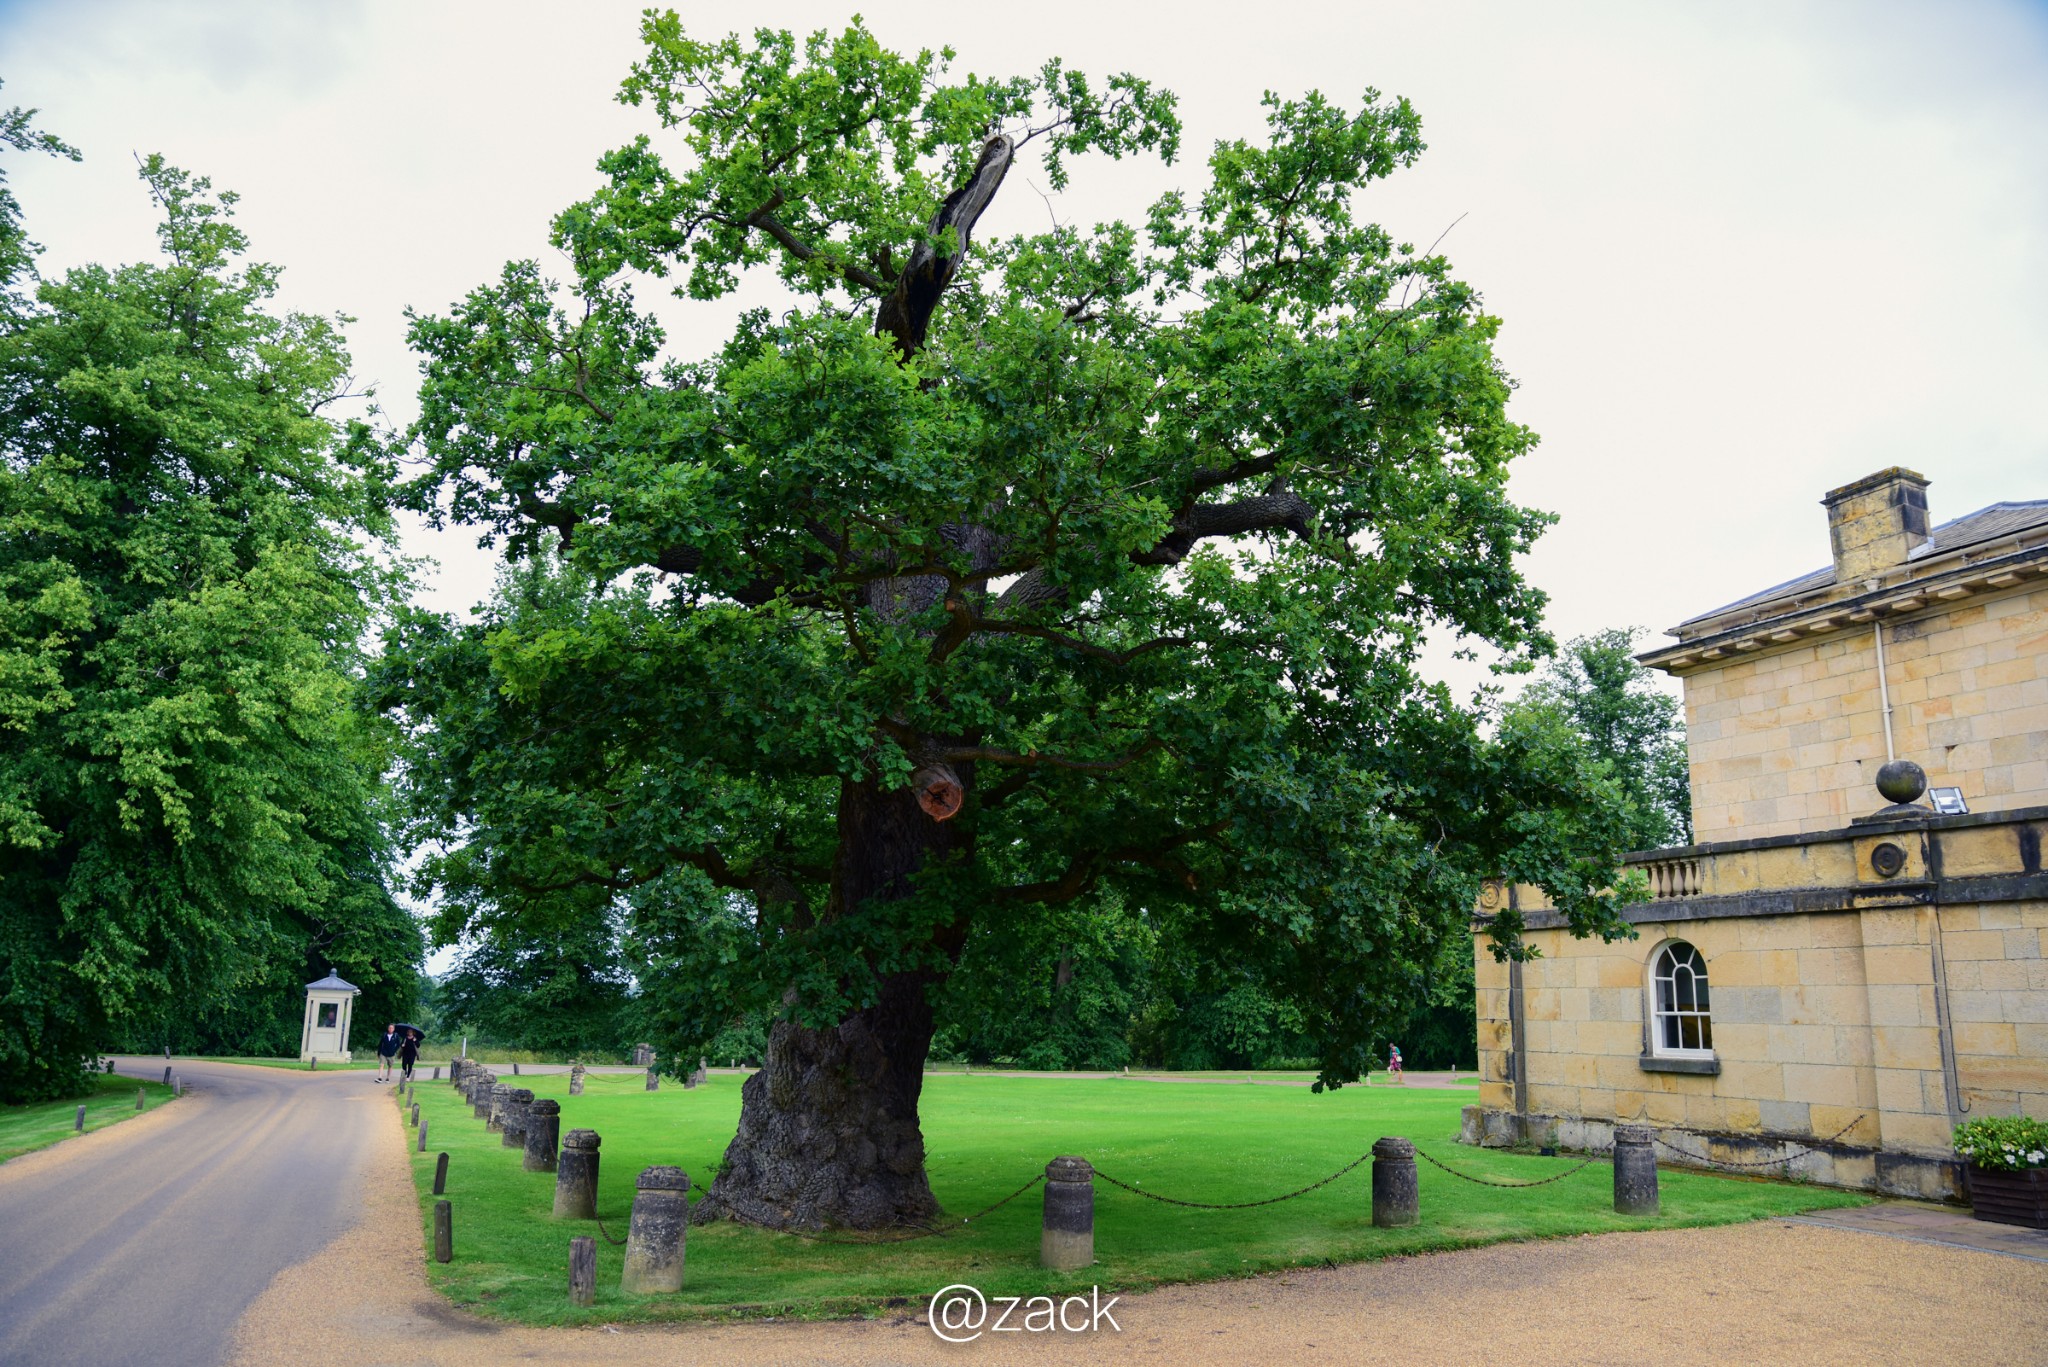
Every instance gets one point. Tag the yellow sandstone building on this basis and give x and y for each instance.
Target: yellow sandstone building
(1828, 980)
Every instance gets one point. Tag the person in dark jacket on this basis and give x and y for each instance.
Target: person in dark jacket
(408, 1054)
(387, 1050)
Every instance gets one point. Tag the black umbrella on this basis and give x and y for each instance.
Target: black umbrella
(403, 1026)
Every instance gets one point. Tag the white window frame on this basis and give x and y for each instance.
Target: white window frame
(1700, 995)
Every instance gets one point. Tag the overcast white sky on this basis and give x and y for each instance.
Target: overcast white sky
(1745, 252)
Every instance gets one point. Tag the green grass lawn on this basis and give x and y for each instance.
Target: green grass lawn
(300, 1064)
(367, 1058)
(24, 1129)
(986, 1137)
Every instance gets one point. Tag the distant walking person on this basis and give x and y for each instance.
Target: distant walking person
(1394, 1064)
(387, 1050)
(408, 1055)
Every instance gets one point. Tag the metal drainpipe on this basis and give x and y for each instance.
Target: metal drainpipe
(1945, 1036)
(1884, 693)
(1518, 1038)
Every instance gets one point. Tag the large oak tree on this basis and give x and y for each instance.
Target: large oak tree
(990, 576)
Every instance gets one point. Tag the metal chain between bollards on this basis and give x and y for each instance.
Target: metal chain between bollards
(1233, 1205)
(607, 1233)
(914, 1233)
(1485, 1182)
(1764, 1163)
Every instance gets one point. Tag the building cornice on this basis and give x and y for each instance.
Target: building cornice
(1918, 588)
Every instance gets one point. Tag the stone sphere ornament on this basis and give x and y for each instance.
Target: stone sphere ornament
(1901, 780)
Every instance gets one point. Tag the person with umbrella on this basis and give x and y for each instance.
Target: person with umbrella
(408, 1052)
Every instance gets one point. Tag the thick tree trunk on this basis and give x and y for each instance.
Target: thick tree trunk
(828, 1132)
(828, 1128)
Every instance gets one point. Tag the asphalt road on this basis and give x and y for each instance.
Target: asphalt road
(145, 1242)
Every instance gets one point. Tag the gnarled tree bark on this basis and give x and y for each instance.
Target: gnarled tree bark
(829, 1131)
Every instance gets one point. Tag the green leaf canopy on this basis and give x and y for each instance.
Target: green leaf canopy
(190, 796)
(1115, 548)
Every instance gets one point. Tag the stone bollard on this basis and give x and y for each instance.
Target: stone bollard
(513, 1127)
(1396, 1193)
(437, 1073)
(79, 1123)
(543, 1123)
(444, 1232)
(653, 1079)
(423, 1132)
(1635, 1171)
(167, 1072)
(582, 1270)
(1067, 1238)
(515, 1067)
(576, 1176)
(494, 1109)
(139, 1093)
(415, 1112)
(657, 1232)
(177, 1086)
(576, 1080)
(312, 1065)
(440, 1174)
(480, 1094)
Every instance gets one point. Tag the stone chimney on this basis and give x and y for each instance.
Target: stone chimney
(1875, 523)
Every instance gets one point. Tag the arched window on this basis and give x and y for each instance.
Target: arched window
(1680, 1021)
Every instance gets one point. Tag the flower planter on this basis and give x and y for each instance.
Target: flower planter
(2010, 1198)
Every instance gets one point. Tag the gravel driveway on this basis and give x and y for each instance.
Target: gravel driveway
(1774, 1292)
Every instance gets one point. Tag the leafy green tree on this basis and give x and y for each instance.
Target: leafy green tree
(1048, 986)
(558, 988)
(17, 252)
(189, 791)
(1629, 724)
(987, 576)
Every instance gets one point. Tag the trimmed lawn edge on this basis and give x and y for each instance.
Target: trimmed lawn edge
(38, 1125)
(518, 1288)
